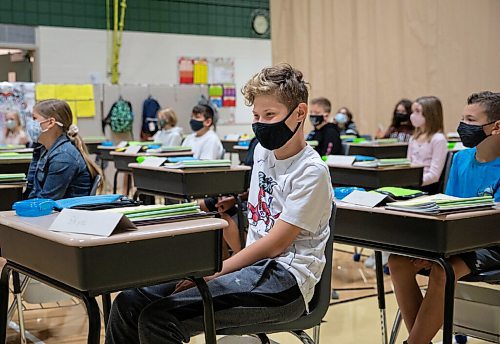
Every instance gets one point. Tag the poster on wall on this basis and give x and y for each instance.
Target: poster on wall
(80, 98)
(18, 97)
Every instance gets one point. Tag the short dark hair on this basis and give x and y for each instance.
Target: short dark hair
(490, 101)
(323, 102)
(207, 112)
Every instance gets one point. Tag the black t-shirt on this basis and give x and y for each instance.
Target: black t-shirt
(328, 138)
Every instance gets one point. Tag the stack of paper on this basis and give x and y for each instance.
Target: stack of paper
(11, 147)
(13, 155)
(386, 141)
(443, 204)
(384, 162)
(12, 177)
(199, 164)
(175, 149)
(148, 214)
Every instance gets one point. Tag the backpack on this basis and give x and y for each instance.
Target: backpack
(149, 110)
(120, 117)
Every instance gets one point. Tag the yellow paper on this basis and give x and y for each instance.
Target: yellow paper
(72, 105)
(200, 72)
(85, 92)
(45, 91)
(85, 108)
(66, 92)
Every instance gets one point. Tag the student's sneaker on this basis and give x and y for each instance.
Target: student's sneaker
(370, 261)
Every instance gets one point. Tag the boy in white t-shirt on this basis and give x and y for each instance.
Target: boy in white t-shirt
(204, 142)
(290, 200)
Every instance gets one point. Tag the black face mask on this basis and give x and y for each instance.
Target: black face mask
(274, 135)
(472, 135)
(316, 119)
(401, 117)
(196, 125)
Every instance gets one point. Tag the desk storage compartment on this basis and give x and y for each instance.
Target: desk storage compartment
(379, 152)
(377, 178)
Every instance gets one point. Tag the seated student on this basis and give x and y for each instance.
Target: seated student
(428, 146)
(327, 134)
(61, 166)
(343, 119)
(401, 127)
(474, 172)
(272, 279)
(14, 133)
(169, 134)
(204, 142)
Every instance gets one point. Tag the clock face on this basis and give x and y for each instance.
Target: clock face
(260, 24)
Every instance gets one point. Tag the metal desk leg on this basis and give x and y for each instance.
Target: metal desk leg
(381, 294)
(106, 307)
(17, 294)
(208, 310)
(4, 302)
(94, 336)
(449, 297)
(115, 181)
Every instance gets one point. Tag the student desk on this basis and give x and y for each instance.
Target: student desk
(190, 183)
(242, 152)
(228, 145)
(11, 192)
(92, 143)
(13, 165)
(104, 152)
(17, 150)
(122, 160)
(87, 266)
(376, 177)
(379, 151)
(429, 237)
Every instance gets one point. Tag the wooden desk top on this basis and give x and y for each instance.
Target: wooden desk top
(162, 154)
(12, 185)
(447, 217)
(9, 160)
(375, 169)
(191, 170)
(94, 140)
(240, 148)
(230, 140)
(38, 226)
(107, 148)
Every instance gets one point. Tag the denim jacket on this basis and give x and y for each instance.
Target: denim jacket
(58, 173)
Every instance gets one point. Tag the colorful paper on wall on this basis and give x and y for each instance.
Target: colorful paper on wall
(200, 71)
(79, 97)
(85, 108)
(17, 96)
(45, 92)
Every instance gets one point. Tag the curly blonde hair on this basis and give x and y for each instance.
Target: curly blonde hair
(282, 80)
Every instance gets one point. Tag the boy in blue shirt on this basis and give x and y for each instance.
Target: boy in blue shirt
(474, 172)
(290, 200)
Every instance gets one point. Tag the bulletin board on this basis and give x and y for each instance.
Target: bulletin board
(17, 96)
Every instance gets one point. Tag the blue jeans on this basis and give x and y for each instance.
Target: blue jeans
(261, 293)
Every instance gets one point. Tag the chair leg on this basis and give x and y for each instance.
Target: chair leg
(18, 297)
(395, 328)
(316, 334)
(304, 337)
(13, 305)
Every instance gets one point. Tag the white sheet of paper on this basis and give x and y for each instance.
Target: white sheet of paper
(133, 149)
(122, 144)
(367, 199)
(340, 160)
(90, 222)
(153, 161)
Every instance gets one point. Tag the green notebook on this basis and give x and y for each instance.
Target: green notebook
(443, 204)
(199, 164)
(4, 177)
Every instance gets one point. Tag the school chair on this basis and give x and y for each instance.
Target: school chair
(95, 185)
(317, 307)
(443, 179)
(473, 304)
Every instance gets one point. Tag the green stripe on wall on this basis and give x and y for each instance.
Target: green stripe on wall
(199, 17)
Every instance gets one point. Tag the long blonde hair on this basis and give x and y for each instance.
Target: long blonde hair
(61, 112)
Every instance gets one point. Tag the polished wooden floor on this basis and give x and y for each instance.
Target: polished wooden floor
(354, 318)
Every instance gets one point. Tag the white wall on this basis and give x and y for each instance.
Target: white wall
(68, 55)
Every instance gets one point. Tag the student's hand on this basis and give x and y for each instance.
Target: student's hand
(225, 203)
(183, 285)
(422, 263)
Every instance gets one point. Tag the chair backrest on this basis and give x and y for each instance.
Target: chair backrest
(443, 179)
(95, 185)
(492, 277)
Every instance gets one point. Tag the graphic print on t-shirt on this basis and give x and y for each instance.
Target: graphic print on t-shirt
(262, 210)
